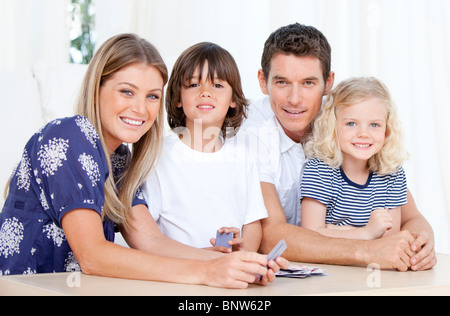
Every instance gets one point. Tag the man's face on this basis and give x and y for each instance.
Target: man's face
(296, 88)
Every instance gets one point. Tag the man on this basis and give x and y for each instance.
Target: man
(296, 75)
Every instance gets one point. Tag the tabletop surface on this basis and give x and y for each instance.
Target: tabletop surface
(340, 280)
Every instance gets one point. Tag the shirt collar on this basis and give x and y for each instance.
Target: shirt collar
(285, 142)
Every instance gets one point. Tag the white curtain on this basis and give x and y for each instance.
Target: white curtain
(403, 42)
(32, 30)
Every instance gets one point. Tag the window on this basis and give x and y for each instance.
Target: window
(82, 31)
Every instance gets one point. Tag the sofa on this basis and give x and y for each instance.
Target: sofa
(31, 97)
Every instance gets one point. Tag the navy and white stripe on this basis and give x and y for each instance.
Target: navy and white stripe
(349, 203)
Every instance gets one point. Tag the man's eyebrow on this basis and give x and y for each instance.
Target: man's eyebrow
(313, 78)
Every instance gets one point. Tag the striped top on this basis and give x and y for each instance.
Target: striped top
(349, 203)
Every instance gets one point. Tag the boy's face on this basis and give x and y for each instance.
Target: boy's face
(296, 88)
(205, 101)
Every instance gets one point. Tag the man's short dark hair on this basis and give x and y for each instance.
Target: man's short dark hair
(298, 40)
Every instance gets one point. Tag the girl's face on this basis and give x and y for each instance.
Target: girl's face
(206, 101)
(361, 129)
(129, 104)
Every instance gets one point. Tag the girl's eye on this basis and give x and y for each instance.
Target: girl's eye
(218, 85)
(374, 125)
(351, 124)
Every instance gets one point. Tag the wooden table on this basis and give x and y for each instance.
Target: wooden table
(341, 280)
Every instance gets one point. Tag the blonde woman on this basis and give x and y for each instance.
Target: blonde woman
(77, 181)
(354, 186)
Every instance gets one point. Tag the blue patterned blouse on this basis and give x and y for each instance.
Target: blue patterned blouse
(63, 168)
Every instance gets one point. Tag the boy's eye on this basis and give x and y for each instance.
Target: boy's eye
(374, 125)
(351, 124)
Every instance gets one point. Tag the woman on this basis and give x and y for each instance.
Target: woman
(77, 181)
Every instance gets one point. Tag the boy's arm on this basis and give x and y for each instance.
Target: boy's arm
(252, 234)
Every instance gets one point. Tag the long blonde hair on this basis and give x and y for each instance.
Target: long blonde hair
(323, 142)
(115, 54)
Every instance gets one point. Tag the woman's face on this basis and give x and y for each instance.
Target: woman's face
(129, 104)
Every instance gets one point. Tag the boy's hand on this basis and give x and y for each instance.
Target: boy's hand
(237, 243)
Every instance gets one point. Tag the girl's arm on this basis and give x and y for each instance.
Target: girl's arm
(396, 214)
(313, 217)
(97, 256)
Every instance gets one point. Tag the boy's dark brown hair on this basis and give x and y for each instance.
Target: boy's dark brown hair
(298, 40)
(220, 64)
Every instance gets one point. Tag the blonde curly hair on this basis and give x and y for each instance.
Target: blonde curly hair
(323, 142)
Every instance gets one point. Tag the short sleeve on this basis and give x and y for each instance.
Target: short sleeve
(256, 209)
(397, 190)
(151, 192)
(70, 167)
(317, 181)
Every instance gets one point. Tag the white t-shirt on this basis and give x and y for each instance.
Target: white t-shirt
(193, 194)
(281, 161)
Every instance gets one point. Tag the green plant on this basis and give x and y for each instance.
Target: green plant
(82, 34)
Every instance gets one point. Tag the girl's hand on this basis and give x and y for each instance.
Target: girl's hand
(380, 221)
(237, 242)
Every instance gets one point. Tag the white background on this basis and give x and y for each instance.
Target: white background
(405, 43)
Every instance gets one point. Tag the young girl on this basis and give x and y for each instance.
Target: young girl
(354, 186)
(77, 180)
(206, 180)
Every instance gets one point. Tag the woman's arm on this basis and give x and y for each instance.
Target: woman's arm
(97, 256)
(146, 236)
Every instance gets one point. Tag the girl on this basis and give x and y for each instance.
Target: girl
(206, 180)
(77, 180)
(354, 187)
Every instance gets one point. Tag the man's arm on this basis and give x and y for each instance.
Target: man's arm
(304, 245)
(418, 226)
